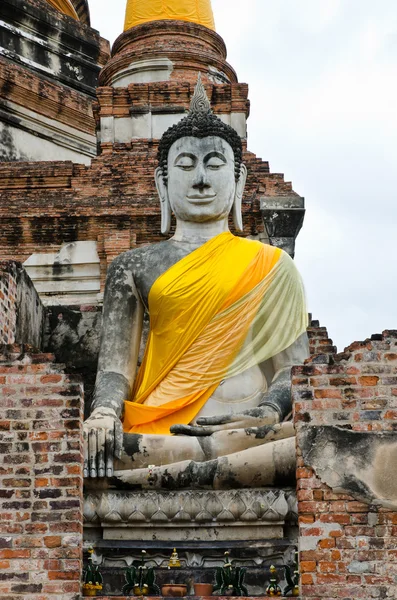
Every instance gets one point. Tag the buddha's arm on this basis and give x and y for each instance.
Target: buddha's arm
(118, 356)
(278, 395)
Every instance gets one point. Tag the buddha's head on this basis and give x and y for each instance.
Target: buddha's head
(200, 176)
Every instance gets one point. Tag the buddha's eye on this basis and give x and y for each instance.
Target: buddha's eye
(185, 163)
(215, 163)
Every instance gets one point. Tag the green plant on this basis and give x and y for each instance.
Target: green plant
(230, 579)
(140, 579)
(292, 577)
(92, 578)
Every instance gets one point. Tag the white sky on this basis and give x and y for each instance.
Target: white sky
(323, 91)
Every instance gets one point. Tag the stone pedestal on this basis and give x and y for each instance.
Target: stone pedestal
(256, 525)
(191, 515)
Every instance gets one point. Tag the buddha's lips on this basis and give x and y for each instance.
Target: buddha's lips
(201, 199)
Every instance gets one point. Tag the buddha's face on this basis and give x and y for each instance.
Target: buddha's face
(201, 180)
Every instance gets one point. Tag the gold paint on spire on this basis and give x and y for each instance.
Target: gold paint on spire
(193, 11)
(64, 6)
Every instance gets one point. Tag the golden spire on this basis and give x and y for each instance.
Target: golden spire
(193, 11)
(64, 6)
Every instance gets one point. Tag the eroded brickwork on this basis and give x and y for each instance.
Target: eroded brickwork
(319, 341)
(169, 95)
(8, 302)
(190, 48)
(348, 548)
(46, 98)
(40, 478)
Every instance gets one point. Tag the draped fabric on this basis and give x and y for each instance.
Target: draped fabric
(65, 7)
(194, 11)
(227, 306)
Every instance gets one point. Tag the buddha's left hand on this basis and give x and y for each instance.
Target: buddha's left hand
(254, 417)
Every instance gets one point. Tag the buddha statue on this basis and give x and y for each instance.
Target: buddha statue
(209, 405)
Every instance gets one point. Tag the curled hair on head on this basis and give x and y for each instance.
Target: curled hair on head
(200, 123)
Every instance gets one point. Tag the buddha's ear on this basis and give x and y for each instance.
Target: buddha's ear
(238, 200)
(162, 191)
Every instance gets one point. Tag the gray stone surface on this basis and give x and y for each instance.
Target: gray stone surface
(361, 464)
(69, 276)
(30, 312)
(25, 316)
(191, 515)
(58, 48)
(20, 128)
(283, 219)
(143, 71)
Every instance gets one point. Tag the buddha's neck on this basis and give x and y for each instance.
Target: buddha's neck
(196, 233)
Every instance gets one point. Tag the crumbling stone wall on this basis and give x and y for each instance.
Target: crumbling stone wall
(319, 341)
(21, 311)
(345, 406)
(8, 300)
(72, 334)
(40, 478)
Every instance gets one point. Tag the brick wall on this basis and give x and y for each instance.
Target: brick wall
(138, 98)
(21, 311)
(319, 341)
(47, 98)
(192, 48)
(8, 302)
(43, 205)
(40, 478)
(347, 548)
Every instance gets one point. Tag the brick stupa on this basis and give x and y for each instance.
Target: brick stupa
(145, 87)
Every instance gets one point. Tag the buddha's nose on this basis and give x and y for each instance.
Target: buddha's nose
(201, 181)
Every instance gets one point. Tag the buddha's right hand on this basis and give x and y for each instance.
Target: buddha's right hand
(103, 440)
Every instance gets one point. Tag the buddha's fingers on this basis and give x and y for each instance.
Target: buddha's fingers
(118, 438)
(101, 442)
(227, 422)
(193, 430)
(271, 433)
(92, 452)
(254, 417)
(219, 420)
(86, 471)
(109, 453)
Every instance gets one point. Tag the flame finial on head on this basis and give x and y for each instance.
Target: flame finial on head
(200, 103)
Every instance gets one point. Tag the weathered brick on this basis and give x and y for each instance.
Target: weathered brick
(354, 556)
(308, 566)
(31, 481)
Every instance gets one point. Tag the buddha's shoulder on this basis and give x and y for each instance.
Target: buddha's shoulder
(148, 256)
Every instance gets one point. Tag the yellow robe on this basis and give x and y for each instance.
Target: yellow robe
(228, 305)
(193, 11)
(64, 6)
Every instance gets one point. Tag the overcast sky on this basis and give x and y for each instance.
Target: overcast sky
(323, 91)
